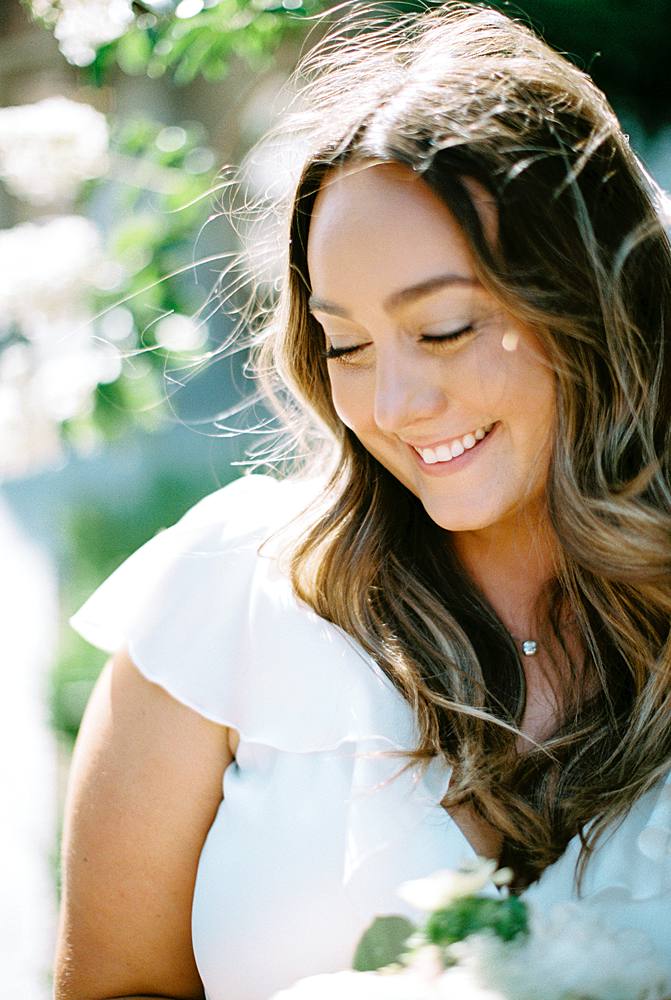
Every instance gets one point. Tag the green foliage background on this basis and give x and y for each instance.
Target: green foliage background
(96, 539)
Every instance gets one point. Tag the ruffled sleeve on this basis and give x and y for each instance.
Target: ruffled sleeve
(180, 603)
(207, 611)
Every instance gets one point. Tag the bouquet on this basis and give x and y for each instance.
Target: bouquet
(472, 947)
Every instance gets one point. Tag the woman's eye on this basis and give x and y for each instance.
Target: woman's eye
(333, 353)
(442, 338)
(339, 352)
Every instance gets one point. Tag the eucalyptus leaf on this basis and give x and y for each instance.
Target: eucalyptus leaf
(382, 943)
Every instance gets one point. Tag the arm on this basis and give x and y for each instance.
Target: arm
(145, 784)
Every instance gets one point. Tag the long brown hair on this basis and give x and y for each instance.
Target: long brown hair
(582, 255)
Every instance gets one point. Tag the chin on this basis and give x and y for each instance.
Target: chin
(461, 520)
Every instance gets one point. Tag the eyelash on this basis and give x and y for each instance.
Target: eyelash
(333, 353)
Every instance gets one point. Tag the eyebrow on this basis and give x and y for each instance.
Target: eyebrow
(397, 299)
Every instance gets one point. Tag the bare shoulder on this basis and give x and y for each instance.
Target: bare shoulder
(145, 784)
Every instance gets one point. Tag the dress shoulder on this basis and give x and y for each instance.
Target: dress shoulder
(207, 611)
(180, 603)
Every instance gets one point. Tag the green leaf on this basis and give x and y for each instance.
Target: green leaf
(512, 919)
(471, 914)
(104, 60)
(214, 70)
(133, 52)
(382, 943)
(194, 57)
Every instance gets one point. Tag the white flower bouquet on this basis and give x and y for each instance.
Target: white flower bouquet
(473, 947)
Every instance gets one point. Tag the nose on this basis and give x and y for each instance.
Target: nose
(406, 395)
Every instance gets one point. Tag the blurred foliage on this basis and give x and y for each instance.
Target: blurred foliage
(204, 43)
(623, 44)
(96, 539)
(161, 176)
(190, 38)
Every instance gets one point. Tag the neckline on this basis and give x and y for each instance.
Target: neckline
(455, 824)
(435, 795)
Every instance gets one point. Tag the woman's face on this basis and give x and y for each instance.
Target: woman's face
(450, 393)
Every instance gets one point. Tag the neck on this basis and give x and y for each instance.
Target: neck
(510, 562)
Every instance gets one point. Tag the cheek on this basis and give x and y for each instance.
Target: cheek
(516, 377)
(536, 383)
(351, 401)
(535, 396)
(485, 378)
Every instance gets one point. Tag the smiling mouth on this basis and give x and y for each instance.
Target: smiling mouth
(456, 447)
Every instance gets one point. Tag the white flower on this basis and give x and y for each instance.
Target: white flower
(46, 274)
(438, 890)
(39, 390)
(84, 25)
(29, 438)
(49, 148)
(452, 985)
(570, 952)
(458, 984)
(371, 986)
(45, 8)
(353, 985)
(64, 383)
(427, 962)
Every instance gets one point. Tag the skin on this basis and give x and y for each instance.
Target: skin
(378, 229)
(144, 788)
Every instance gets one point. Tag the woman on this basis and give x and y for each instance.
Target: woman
(460, 644)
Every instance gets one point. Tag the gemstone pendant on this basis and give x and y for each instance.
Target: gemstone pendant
(529, 647)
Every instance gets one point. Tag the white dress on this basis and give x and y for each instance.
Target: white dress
(312, 837)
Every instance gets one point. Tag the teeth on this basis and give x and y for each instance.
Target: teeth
(446, 452)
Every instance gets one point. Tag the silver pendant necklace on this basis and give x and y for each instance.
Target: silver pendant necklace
(529, 646)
